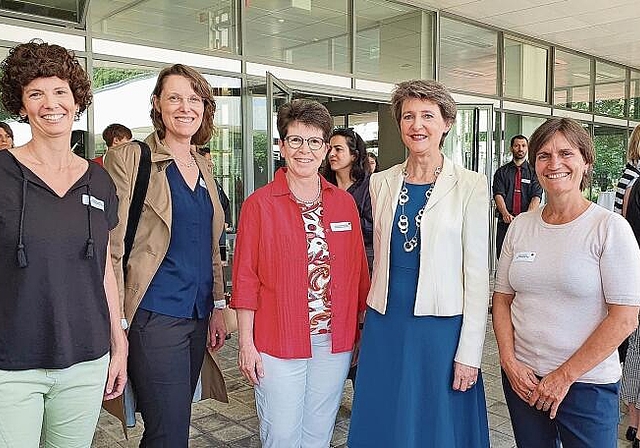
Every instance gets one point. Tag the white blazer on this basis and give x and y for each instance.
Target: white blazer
(454, 245)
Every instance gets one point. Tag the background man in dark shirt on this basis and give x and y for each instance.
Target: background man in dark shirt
(513, 198)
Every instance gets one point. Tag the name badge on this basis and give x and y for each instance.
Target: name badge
(526, 257)
(203, 184)
(341, 226)
(95, 202)
(526, 181)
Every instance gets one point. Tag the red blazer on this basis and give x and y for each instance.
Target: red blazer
(270, 269)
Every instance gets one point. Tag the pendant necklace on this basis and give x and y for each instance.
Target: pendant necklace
(403, 220)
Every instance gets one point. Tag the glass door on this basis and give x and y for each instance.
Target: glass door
(470, 144)
(277, 94)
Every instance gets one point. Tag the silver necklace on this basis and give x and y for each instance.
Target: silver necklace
(403, 220)
(311, 202)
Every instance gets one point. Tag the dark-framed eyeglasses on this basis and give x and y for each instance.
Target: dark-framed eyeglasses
(296, 141)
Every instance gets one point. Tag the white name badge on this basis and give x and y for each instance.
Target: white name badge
(527, 257)
(341, 226)
(203, 184)
(95, 202)
(526, 181)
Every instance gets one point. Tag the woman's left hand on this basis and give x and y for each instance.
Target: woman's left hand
(550, 392)
(217, 330)
(464, 377)
(117, 375)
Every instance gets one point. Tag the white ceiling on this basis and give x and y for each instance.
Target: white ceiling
(605, 28)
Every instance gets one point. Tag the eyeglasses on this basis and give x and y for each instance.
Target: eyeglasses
(296, 141)
(193, 100)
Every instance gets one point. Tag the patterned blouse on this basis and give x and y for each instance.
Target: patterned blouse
(318, 268)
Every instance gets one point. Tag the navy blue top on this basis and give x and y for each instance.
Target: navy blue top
(183, 284)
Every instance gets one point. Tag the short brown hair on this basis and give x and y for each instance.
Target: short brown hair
(633, 151)
(201, 87)
(425, 90)
(114, 131)
(38, 59)
(575, 134)
(307, 112)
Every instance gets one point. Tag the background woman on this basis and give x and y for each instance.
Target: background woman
(430, 283)
(630, 173)
(348, 168)
(174, 272)
(6, 136)
(59, 313)
(569, 260)
(300, 277)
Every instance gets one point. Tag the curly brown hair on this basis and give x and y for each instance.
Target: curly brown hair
(201, 87)
(38, 59)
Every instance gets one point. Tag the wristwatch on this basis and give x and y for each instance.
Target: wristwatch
(124, 324)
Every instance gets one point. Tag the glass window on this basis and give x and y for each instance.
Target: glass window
(572, 83)
(393, 41)
(65, 10)
(634, 96)
(610, 144)
(468, 57)
(121, 94)
(197, 25)
(307, 35)
(525, 70)
(226, 144)
(610, 86)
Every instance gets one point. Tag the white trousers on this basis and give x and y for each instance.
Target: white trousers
(298, 399)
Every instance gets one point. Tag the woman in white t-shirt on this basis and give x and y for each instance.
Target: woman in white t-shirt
(566, 295)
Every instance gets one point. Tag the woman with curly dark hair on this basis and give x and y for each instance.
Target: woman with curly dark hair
(347, 166)
(173, 293)
(62, 348)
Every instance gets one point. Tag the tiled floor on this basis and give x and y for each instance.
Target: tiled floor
(235, 425)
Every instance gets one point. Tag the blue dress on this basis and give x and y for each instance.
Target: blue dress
(403, 396)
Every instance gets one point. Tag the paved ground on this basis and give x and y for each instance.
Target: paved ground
(235, 425)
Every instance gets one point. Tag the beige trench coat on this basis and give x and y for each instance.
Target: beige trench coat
(152, 241)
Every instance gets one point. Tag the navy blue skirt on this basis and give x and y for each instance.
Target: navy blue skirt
(403, 396)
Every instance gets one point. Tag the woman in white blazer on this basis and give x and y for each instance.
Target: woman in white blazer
(419, 383)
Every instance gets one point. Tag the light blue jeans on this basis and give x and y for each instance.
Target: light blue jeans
(298, 399)
(63, 404)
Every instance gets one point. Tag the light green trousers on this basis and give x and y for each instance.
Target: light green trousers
(61, 404)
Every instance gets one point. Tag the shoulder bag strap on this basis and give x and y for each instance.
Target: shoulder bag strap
(137, 200)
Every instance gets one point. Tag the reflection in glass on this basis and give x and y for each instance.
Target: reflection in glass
(525, 70)
(468, 57)
(572, 83)
(393, 41)
(308, 35)
(196, 25)
(610, 85)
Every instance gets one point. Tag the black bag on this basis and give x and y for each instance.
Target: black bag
(137, 200)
